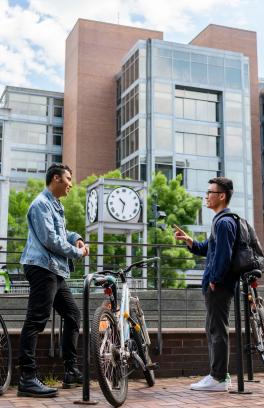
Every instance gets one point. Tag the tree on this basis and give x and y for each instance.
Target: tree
(181, 209)
(19, 201)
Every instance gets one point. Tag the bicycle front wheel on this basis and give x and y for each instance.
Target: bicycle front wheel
(5, 357)
(110, 369)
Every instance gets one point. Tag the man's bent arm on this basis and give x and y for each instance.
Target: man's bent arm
(46, 233)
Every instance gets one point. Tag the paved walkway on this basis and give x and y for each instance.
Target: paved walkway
(172, 392)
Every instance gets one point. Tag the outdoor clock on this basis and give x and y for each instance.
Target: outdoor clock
(92, 206)
(123, 204)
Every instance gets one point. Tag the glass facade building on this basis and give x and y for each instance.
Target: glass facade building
(184, 109)
(33, 132)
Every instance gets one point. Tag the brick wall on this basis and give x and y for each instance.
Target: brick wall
(184, 354)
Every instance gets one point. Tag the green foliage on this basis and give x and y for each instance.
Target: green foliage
(17, 222)
(181, 209)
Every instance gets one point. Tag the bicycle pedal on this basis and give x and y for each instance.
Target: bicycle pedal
(153, 366)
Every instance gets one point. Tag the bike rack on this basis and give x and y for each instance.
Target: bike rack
(239, 347)
(248, 350)
(86, 343)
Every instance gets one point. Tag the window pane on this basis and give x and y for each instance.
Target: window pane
(179, 107)
(232, 78)
(162, 67)
(189, 109)
(201, 110)
(163, 139)
(181, 70)
(189, 143)
(216, 75)
(199, 72)
(211, 112)
(179, 142)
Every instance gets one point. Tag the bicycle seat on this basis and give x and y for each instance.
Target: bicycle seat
(255, 272)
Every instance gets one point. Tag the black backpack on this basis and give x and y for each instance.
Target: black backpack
(247, 252)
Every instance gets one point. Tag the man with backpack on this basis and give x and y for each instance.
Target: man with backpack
(218, 281)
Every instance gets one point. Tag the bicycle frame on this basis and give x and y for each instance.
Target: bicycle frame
(124, 310)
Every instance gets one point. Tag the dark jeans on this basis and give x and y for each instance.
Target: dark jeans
(48, 290)
(217, 304)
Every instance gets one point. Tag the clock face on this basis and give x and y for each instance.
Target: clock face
(92, 205)
(123, 204)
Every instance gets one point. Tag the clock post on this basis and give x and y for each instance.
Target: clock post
(117, 206)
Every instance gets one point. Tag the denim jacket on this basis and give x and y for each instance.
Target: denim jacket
(49, 244)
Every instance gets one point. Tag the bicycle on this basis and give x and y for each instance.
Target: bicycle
(256, 310)
(119, 336)
(5, 343)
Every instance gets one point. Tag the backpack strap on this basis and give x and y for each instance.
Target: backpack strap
(217, 218)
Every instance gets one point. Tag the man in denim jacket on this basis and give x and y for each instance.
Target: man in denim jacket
(47, 260)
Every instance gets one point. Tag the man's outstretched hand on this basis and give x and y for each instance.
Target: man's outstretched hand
(180, 235)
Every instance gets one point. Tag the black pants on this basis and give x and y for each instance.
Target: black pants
(48, 290)
(217, 304)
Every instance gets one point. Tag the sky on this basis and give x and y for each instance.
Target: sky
(33, 32)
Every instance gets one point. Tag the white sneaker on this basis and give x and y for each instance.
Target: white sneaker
(208, 383)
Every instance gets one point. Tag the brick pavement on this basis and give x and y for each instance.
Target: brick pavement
(171, 392)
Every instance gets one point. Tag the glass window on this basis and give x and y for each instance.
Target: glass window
(163, 134)
(212, 112)
(199, 72)
(232, 63)
(216, 61)
(179, 142)
(180, 170)
(166, 169)
(163, 139)
(58, 112)
(181, 55)
(1, 145)
(25, 133)
(56, 158)
(233, 145)
(233, 78)
(190, 143)
(163, 103)
(246, 76)
(32, 162)
(233, 111)
(179, 107)
(216, 75)
(162, 67)
(201, 110)
(189, 109)
(199, 58)
(181, 70)
(238, 180)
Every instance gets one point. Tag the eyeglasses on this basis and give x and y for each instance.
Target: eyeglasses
(213, 192)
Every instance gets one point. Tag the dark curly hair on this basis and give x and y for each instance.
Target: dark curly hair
(56, 169)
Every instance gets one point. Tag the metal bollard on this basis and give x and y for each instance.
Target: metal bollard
(248, 350)
(239, 349)
(86, 344)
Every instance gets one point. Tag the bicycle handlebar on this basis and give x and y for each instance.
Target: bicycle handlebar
(138, 264)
